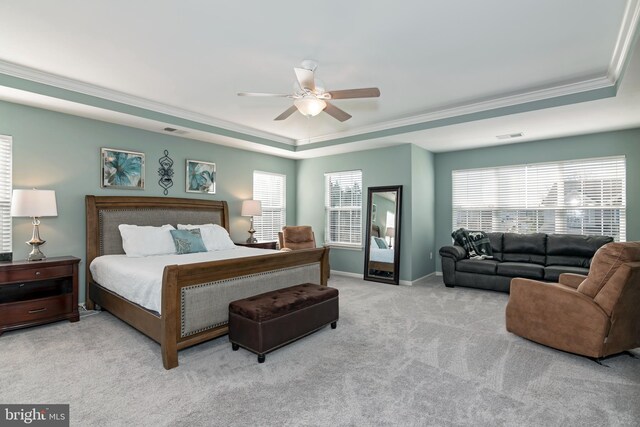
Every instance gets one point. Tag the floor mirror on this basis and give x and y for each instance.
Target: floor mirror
(382, 245)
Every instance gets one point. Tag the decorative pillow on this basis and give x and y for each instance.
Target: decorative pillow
(188, 241)
(140, 241)
(215, 238)
(381, 243)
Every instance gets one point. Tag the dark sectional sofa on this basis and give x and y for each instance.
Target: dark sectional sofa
(534, 256)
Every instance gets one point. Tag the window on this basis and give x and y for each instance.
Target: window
(5, 193)
(579, 197)
(343, 208)
(270, 189)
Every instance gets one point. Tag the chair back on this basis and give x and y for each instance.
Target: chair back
(610, 272)
(297, 237)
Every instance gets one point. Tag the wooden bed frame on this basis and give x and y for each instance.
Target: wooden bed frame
(165, 328)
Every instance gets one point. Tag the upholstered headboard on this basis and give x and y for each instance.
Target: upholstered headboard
(105, 213)
(375, 230)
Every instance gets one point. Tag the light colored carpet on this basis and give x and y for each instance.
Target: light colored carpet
(421, 355)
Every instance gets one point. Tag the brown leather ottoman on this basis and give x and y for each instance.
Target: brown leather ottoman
(264, 322)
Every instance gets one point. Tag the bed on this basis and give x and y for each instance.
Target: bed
(380, 259)
(193, 296)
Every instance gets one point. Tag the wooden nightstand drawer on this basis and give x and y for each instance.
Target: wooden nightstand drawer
(37, 309)
(35, 273)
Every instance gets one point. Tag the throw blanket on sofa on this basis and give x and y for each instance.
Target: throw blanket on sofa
(476, 243)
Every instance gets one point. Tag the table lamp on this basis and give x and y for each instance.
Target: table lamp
(35, 204)
(251, 208)
(390, 233)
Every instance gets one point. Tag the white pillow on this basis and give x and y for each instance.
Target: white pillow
(139, 241)
(215, 238)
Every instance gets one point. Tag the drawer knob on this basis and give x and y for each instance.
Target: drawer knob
(37, 273)
(38, 310)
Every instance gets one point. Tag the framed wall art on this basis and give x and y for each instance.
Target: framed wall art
(122, 169)
(201, 177)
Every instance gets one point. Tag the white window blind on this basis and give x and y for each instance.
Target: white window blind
(585, 196)
(270, 189)
(5, 193)
(343, 208)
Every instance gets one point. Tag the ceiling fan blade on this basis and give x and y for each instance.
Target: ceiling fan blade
(369, 92)
(305, 79)
(289, 111)
(336, 112)
(279, 95)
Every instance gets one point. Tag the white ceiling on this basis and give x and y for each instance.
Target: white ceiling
(430, 59)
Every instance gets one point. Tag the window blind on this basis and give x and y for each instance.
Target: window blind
(585, 196)
(343, 208)
(5, 193)
(270, 189)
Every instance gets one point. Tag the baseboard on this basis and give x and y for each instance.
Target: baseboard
(361, 276)
(438, 273)
(416, 281)
(347, 274)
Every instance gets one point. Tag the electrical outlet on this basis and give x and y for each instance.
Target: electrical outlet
(430, 255)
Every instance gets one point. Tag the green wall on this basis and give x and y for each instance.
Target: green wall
(61, 152)
(423, 220)
(380, 167)
(595, 145)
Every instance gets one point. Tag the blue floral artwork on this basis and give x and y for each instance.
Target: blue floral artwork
(201, 177)
(122, 169)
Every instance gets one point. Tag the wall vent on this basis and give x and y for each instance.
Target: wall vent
(510, 135)
(176, 131)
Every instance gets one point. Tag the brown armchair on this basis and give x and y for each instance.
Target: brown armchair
(296, 237)
(595, 315)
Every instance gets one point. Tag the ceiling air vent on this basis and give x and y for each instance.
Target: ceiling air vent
(174, 130)
(510, 135)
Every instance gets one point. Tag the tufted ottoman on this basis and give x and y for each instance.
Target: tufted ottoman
(264, 322)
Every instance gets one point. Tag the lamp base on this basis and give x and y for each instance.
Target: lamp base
(36, 254)
(252, 239)
(35, 243)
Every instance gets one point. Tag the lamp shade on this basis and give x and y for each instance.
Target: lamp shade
(310, 105)
(251, 208)
(34, 203)
(391, 232)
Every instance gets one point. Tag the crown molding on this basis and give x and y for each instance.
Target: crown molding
(625, 40)
(476, 107)
(65, 83)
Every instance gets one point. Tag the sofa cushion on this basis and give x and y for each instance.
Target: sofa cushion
(524, 247)
(552, 273)
(481, 266)
(496, 245)
(573, 249)
(520, 269)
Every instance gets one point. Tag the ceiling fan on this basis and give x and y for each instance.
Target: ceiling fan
(310, 97)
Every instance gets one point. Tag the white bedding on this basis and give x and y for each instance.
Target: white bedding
(140, 279)
(381, 255)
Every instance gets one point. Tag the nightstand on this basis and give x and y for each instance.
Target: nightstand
(37, 292)
(261, 245)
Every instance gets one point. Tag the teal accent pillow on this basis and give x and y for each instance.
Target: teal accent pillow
(188, 241)
(381, 243)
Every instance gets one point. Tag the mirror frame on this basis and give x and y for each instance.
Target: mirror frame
(396, 253)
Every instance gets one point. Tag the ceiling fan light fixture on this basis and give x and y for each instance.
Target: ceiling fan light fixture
(310, 106)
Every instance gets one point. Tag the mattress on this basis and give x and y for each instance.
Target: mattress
(381, 255)
(140, 279)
